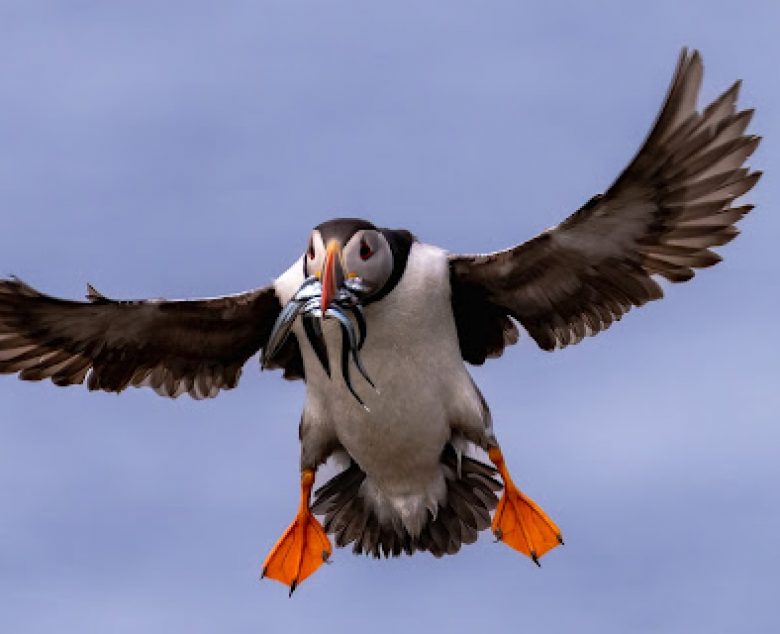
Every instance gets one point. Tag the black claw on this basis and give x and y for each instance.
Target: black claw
(325, 557)
(535, 559)
(293, 585)
(560, 539)
(262, 574)
(498, 535)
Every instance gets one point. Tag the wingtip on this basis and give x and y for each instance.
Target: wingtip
(688, 58)
(752, 179)
(93, 294)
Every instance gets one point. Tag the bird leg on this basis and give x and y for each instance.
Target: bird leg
(303, 547)
(518, 520)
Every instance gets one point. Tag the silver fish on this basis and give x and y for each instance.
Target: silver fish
(306, 304)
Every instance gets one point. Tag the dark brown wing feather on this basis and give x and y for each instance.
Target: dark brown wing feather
(672, 203)
(194, 346)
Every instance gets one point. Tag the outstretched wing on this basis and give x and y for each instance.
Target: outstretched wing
(194, 346)
(672, 203)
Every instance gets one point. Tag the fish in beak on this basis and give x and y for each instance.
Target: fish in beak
(329, 296)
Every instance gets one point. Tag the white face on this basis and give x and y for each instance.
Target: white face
(366, 255)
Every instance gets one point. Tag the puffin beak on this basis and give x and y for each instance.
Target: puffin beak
(332, 273)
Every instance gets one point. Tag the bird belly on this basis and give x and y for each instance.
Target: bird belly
(398, 440)
(422, 386)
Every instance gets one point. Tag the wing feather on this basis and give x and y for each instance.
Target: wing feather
(661, 217)
(175, 347)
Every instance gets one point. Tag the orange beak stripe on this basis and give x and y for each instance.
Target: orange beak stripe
(332, 273)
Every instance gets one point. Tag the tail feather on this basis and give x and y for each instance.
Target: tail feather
(355, 518)
(474, 503)
(471, 495)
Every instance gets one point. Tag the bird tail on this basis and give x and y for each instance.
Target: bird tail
(465, 511)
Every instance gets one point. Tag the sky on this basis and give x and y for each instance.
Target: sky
(185, 149)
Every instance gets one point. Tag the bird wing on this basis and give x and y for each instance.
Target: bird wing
(672, 203)
(195, 346)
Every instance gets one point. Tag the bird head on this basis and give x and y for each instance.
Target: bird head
(348, 263)
(349, 253)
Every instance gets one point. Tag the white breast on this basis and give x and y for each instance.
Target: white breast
(413, 357)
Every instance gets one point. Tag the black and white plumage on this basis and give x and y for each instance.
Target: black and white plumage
(407, 485)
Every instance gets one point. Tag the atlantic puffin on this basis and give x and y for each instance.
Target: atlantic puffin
(381, 325)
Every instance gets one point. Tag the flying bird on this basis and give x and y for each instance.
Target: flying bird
(381, 326)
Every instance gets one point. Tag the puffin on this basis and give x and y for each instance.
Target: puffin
(382, 327)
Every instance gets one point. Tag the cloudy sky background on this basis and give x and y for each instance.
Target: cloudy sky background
(186, 148)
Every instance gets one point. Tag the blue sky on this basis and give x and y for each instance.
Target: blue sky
(186, 148)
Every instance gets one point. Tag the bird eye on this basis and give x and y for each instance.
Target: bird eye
(365, 250)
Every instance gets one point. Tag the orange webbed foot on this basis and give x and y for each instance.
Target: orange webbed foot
(302, 548)
(518, 521)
